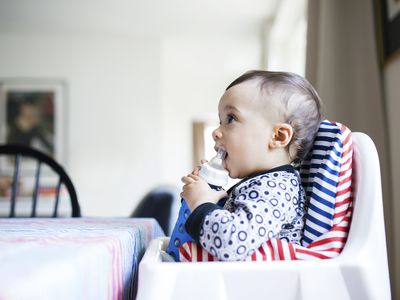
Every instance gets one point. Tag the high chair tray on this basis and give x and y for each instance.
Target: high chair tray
(323, 279)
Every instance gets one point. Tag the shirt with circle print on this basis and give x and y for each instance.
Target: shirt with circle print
(267, 205)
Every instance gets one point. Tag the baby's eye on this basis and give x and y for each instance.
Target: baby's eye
(230, 118)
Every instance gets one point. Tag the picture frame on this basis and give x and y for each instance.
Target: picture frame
(32, 114)
(387, 20)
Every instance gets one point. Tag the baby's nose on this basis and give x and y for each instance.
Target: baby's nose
(216, 134)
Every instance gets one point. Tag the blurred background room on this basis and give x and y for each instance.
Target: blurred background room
(138, 82)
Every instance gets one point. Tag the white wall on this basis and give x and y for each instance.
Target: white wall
(195, 73)
(113, 121)
(131, 101)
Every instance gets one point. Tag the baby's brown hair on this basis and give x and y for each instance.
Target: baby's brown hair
(299, 106)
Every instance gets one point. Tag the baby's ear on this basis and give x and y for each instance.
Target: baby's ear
(282, 135)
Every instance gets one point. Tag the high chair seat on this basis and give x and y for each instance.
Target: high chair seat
(360, 271)
(326, 177)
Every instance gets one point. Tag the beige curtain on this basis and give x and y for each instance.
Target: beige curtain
(342, 63)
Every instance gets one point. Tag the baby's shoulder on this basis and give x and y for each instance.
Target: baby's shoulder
(269, 180)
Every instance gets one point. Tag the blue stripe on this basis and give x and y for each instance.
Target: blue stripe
(312, 231)
(326, 168)
(320, 211)
(333, 130)
(328, 142)
(326, 157)
(319, 222)
(323, 201)
(327, 180)
(333, 161)
(321, 147)
(329, 123)
(307, 240)
(327, 148)
(309, 179)
(328, 139)
(324, 190)
(325, 138)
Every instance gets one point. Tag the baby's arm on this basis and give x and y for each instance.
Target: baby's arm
(258, 215)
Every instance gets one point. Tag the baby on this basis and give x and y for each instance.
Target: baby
(268, 121)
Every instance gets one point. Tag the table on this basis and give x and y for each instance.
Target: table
(72, 258)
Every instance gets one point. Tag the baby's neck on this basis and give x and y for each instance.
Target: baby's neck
(279, 157)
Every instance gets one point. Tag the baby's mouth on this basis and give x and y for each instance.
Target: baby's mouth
(221, 152)
(224, 159)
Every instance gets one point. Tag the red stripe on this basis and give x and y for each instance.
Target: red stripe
(262, 251)
(271, 250)
(199, 253)
(184, 253)
(343, 202)
(348, 218)
(340, 228)
(347, 164)
(280, 250)
(327, 240)
(343, 181)
(335, 249)
(210, 257)
(312, 253)
(345, 130)
(292, 253)
(339, 214)
(347, 214)
(347, 151)
(254, 256)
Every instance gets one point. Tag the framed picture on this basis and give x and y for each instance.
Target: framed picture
(32, 114)
(388, 29)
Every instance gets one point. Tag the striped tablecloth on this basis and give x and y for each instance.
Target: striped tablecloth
(72, 258)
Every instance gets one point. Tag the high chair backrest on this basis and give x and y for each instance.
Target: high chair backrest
(327, 177)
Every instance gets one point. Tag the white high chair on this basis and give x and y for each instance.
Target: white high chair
(359, 272)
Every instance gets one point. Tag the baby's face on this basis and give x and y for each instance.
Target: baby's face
(245, 130)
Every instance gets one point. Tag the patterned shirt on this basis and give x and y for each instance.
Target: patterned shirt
(264, 206)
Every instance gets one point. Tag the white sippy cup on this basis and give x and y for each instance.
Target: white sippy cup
(214, 172)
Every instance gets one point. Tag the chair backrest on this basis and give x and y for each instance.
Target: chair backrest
(326, 175)
(162, 204)
(16, 155)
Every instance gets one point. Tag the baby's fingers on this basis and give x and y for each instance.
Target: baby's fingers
(187, 179)
(194, 177)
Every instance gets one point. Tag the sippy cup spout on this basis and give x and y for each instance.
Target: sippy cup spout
(221, 153)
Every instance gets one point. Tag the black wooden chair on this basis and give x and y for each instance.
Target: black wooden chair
(16, 154)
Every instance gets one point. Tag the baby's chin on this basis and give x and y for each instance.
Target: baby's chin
(232, 174)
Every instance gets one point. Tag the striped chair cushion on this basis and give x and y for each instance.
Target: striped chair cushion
(326, 176)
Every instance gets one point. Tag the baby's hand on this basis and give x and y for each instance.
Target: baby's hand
(197, 169)
(196, 191)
